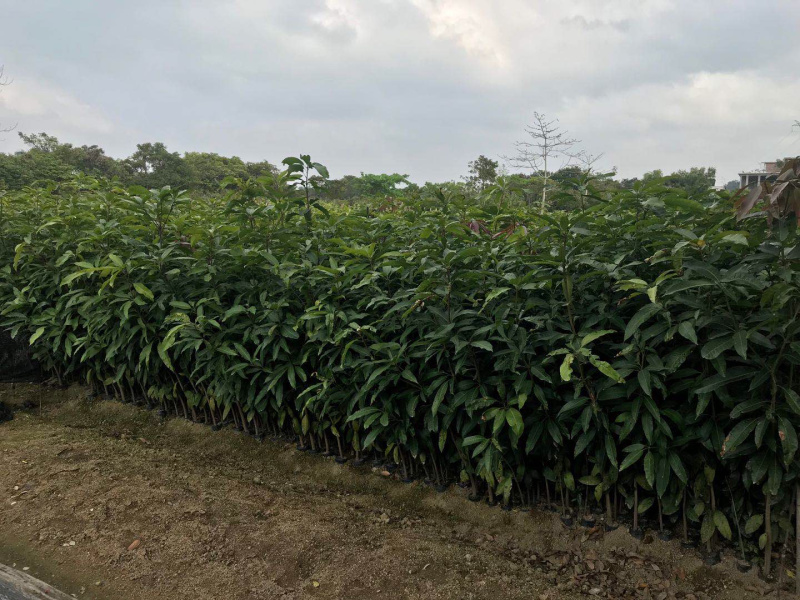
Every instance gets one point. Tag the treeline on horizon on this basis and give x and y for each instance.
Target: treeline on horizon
(152, 165)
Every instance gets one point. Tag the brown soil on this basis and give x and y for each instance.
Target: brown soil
(108, 501)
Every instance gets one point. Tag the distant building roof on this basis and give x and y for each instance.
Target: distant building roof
(770, 168)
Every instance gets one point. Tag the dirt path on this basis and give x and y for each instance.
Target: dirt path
(108, 501)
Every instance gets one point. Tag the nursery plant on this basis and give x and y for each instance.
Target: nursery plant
(633, 359)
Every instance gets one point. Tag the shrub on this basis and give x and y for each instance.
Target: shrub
(639, 354)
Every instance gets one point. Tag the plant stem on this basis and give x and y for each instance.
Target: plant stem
(768, 543)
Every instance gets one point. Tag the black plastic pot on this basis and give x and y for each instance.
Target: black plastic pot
(712, 559)
(474, 498)
(341, 460)
(567, 521)
(441, 488)
(637, 533)
(665, 536)
(6, 414)
(744, 566)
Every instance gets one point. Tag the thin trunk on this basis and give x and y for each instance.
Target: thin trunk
(243, 419)
(768, 544)
(435, 472)
(339, 443)
(797, 539)
(427, 472)
(782, 565)
(544, 188)
(685, 524)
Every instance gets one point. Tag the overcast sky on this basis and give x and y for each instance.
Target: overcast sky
(413, 86)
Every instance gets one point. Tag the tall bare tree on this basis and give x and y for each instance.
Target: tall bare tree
(4, 81)
(587, 160)
(547, 143)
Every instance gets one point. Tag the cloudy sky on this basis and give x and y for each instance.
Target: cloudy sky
(414, 86)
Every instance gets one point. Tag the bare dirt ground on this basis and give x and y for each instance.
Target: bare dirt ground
(109, 501)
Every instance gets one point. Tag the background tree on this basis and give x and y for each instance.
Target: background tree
(38, 165)
(367, 185)
(733, 185)
(567, 173)
(207, 170)
(40, 141)
(696, 181)
(261, 169)
(652, 175)
(546, 144)
(32, 168)
(89, 160)
(482, 172)
(153, 166)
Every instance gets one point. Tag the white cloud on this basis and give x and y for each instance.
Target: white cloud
(338, 19)
(611, 11)
(39, 106)
(468, 24)
(701, 100)
(734, 120)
